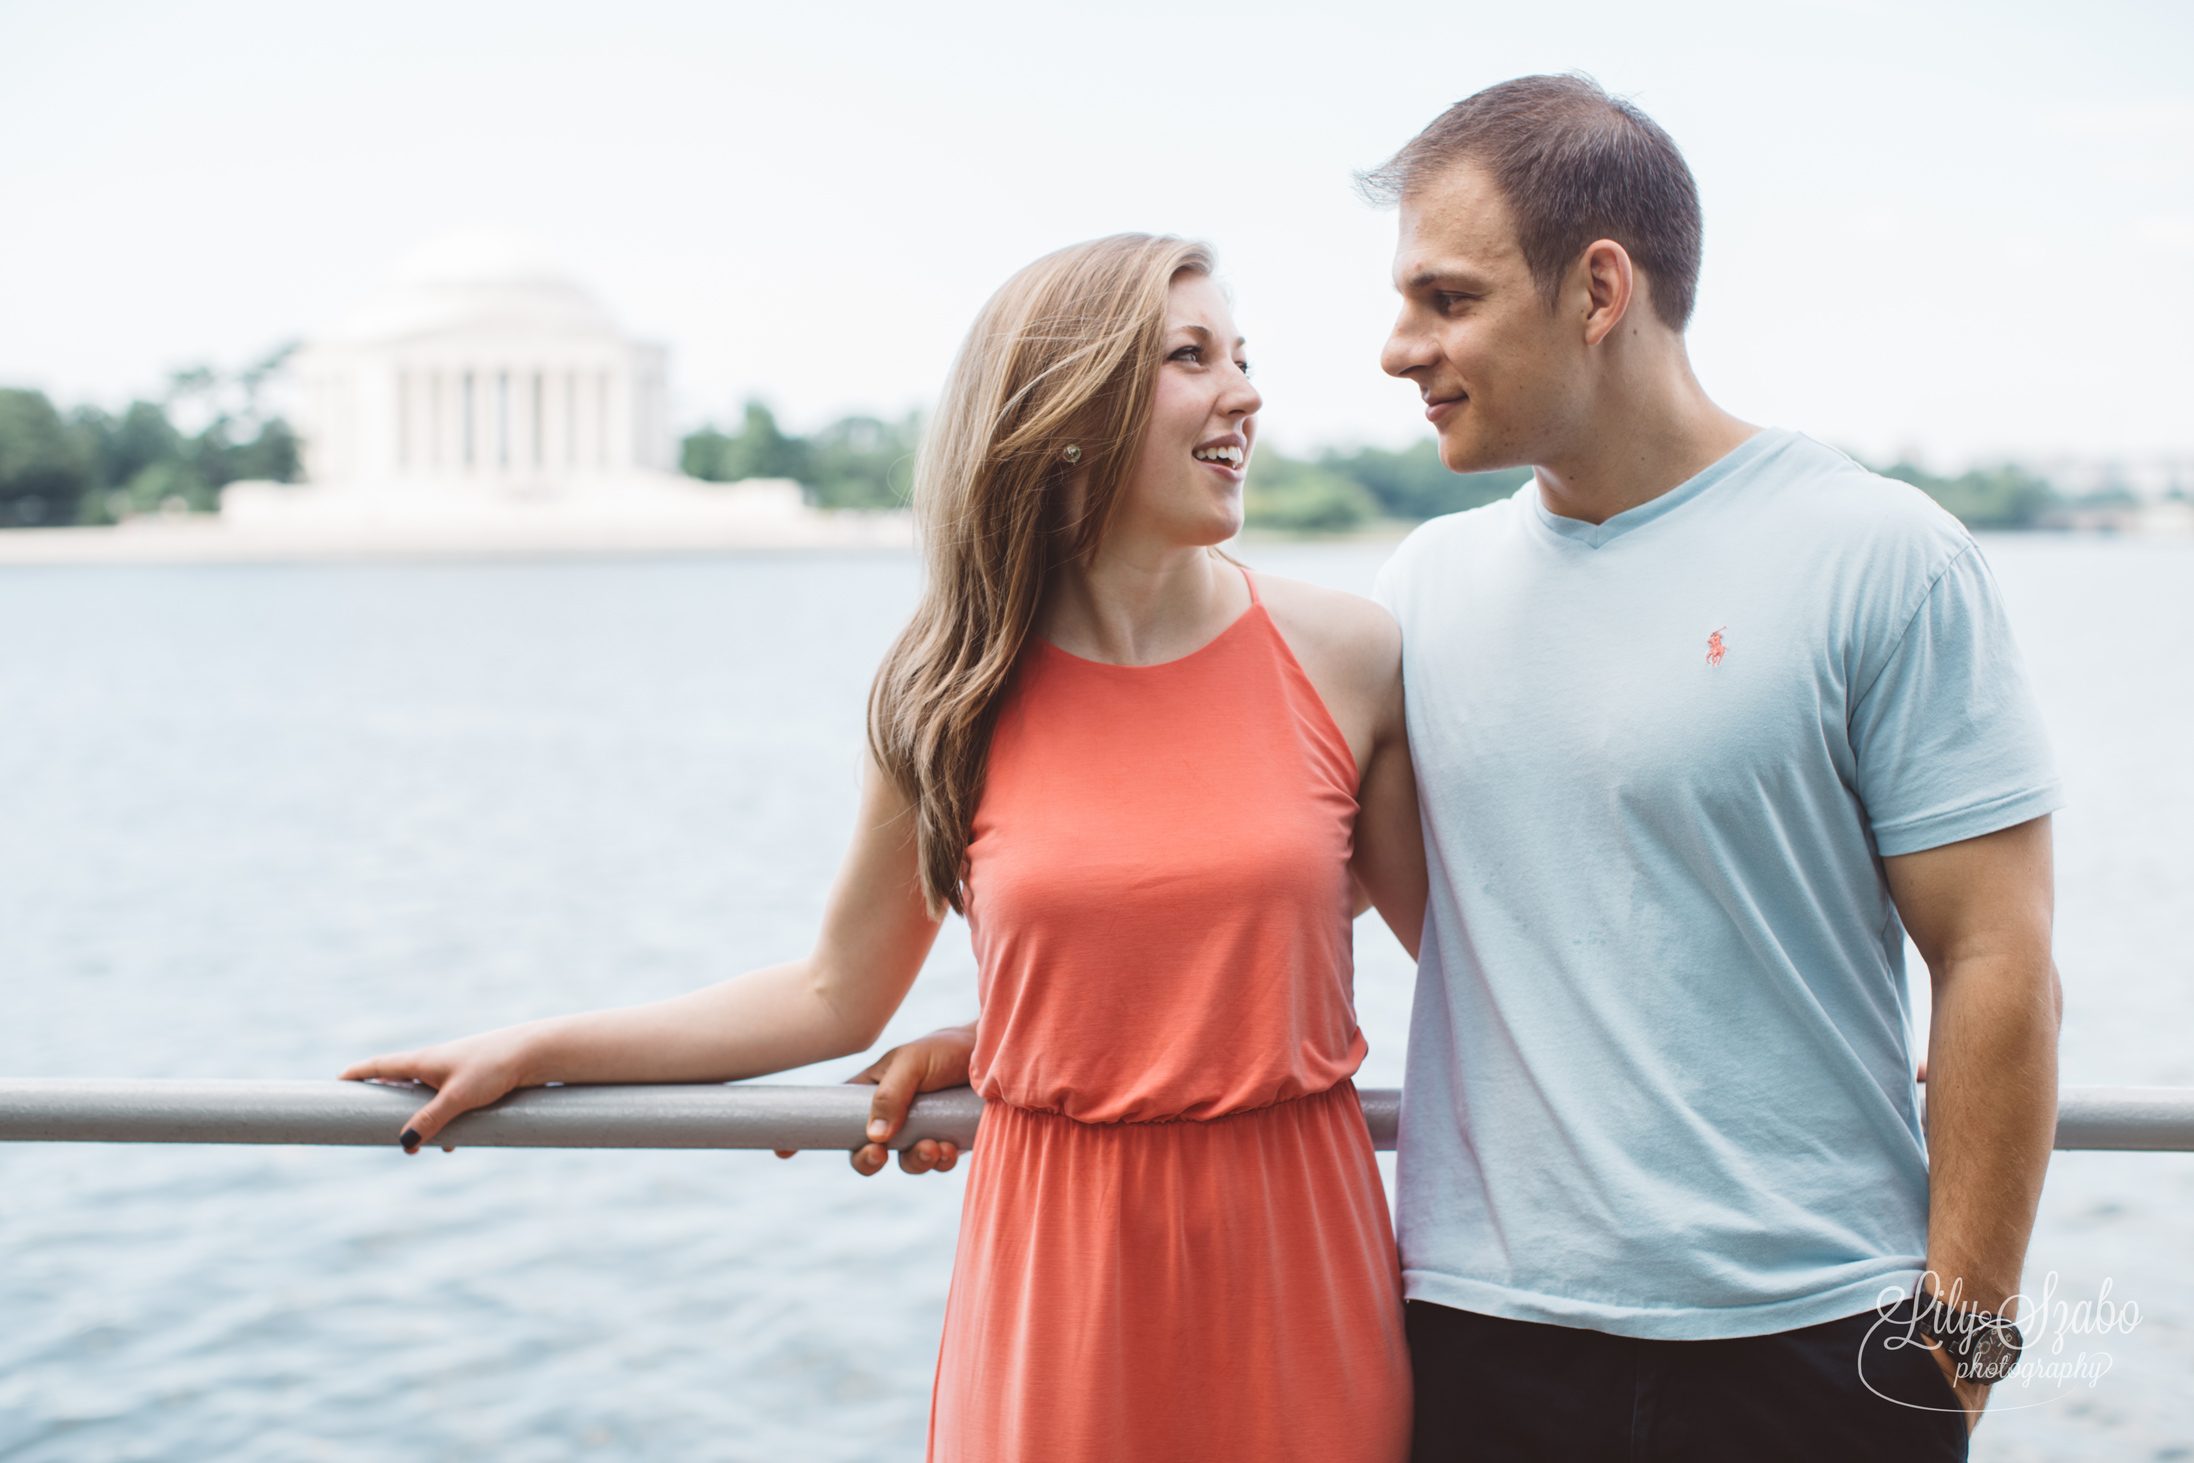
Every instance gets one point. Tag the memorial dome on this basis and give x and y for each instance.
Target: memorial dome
(481, 365)
(471, 279)
(480, 399)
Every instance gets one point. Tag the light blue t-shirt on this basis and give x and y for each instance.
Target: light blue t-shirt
(1659, 1076)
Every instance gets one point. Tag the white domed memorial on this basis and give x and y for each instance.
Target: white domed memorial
(483, 399)
(481, 366)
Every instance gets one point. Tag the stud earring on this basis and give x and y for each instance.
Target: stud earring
(1072, 454)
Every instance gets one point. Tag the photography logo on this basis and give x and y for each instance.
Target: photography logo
(2047, 1329)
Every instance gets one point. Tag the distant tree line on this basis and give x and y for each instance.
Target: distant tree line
(855, 462)
(863, 462)
(1995, 497)
(1339, 491)
(94, 467)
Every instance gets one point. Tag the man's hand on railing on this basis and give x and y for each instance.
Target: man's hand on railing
(929, 1064)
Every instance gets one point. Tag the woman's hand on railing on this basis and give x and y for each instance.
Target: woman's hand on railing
(929, 1064)
(877, 930)
(468, 1073)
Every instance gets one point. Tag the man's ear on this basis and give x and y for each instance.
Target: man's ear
(1606, 283)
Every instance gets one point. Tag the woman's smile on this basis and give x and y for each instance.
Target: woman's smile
(1228, 455)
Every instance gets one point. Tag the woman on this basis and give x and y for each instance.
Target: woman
(1159, 788)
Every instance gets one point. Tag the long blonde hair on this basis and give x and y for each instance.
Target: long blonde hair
(1066, 355)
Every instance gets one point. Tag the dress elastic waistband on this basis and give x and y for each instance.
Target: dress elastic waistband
(1302, 1100)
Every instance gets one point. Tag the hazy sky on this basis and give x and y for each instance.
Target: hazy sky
(1966, 229)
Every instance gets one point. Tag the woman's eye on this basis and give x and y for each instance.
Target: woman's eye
(1187, 353)
(1244, 367)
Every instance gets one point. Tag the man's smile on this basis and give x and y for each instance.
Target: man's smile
(1437, 408)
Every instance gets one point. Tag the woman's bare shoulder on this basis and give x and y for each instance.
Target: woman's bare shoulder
(1352, 636)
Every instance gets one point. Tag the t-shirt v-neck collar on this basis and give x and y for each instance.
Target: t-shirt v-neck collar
(1598, 535)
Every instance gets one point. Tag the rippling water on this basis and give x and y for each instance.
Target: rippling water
(261, 821)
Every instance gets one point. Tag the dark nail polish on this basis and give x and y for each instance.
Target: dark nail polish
(410, 1140)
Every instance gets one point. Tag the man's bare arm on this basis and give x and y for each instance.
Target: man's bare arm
(928, 1064)
(1981, 912)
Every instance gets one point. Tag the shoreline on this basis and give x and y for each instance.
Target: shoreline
(208, 540)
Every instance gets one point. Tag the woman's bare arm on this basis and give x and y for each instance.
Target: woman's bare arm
(876, 934)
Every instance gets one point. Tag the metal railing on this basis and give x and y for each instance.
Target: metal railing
(741, 1115)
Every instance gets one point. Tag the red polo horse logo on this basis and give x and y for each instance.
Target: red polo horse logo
(1715, 649)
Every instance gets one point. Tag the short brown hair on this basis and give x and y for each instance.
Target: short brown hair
(1574, 165)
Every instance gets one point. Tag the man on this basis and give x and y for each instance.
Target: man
(1705, 719)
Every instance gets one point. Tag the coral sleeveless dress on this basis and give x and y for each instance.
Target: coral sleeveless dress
(1175, 1244)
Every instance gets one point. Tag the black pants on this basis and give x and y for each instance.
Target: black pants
(1492, 1390)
